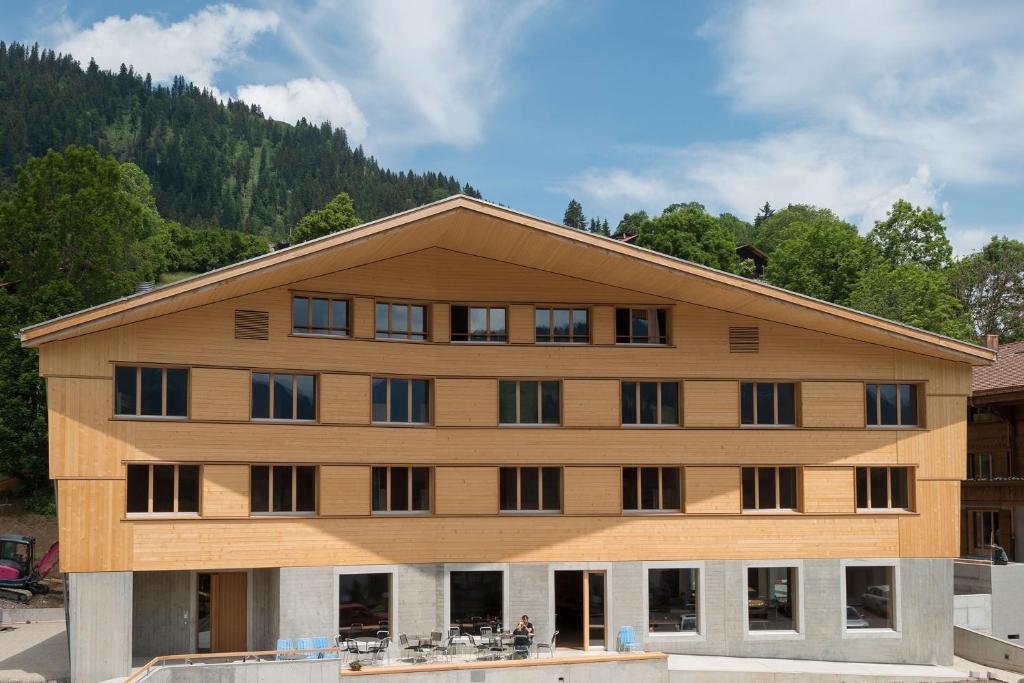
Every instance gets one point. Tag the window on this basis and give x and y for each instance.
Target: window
(479, 324)
(641, 326)
(768, 403)
(401, 321)
(364, 604)
(531, 489)
(891, 405)
(398, 400)
(529, 402)
(885, 488)
(477, 599)
(985, 526)
(400, 489)
(318, 315)
(650, 403)
(654, 489)
(150, 392)
(979, 465)
(163, 489)
(771, 598)
(769, 488)
(282, 489)
(672, 596)
(279, 396)
(562, 325)
(868, 597)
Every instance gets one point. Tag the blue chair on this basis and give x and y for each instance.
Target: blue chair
(324, 643)
(628, 641)
(283, 644)
(307, 644)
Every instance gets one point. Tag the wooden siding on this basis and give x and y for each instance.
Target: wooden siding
(602, 325)
(225, 491)
(591, 490)
(92, 536)
(440, 322)
(344, 490)
(521, 324)
(345, 399)
(466, 490)
(935, 530)
(832, 404)
(219, 394)
(829, 490)
(84, 440)
(711, 404)
(940, 449)
(466, 402)
(363, 318)
(590, 403)
(713, 490)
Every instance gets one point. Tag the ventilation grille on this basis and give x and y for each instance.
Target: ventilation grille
(744, 340)
(252, 325)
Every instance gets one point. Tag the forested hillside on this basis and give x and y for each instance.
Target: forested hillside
(210, 164)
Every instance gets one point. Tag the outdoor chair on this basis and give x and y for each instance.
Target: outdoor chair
(496, 646)
(521, 647)
(454, 631)
(416, 650)
(351, 650)
(477, 648)
(627, 640)
(324, 643)
(283, 644)
(379, 650)
(445, 649)
(383, 634)
(550, 647)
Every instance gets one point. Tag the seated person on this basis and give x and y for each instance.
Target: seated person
(524, 628)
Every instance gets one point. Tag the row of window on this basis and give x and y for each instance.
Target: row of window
(674, 601)
(163, 392)
(292, 489)
(329, 316)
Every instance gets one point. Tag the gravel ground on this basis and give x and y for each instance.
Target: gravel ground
(15, 520)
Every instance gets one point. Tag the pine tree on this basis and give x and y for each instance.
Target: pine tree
(574, 217)
(764, 214)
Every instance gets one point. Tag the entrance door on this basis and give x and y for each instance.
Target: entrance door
(221, 612)
(580, 609)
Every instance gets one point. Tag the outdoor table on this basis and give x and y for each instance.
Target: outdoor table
(363, 642)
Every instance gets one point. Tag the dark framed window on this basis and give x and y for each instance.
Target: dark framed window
(150, 391)
(163, 489)
(562, 325)
(891, 405)
(979, 465)
(770, 488)
(320, 316)
(869, 597)
(883, 488)
(364, 604)
(768, 403)
(400, 489)
(479, 324)
(772, 599)
(673, 597)
(985, 528)
(650, 403)
(477, 599)
(400, 400)
(652, 489)
(530, 489)
(282, 489)
(283, 396)
(401, 321)
(641, 326)
(529, 402)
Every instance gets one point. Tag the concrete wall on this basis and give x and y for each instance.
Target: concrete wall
(307, 602)
(972, 578)
(528, 594)
(99, 625)
(1008, 602)
(984, 649)
(264, 616)
(162, 618)
(973, 612)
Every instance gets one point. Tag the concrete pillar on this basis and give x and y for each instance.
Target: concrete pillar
(162, 619)
(306, 606)
(528, 594)
(99, 625)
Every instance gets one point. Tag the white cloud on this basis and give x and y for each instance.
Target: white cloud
(196, 47)
(312, 98)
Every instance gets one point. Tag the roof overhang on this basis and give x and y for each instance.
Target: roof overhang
(482, 229)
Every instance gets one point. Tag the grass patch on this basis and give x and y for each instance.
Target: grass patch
(168, 278)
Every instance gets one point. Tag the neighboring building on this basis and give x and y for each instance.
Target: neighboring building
(756, 257)
(460, 414)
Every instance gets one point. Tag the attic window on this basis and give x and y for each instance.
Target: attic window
(252, 325)
(744, 340)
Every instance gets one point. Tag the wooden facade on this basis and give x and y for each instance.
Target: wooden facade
(476, 254)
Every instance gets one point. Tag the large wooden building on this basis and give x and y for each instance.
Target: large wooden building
(460, 414)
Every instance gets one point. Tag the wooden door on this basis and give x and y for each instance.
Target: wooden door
(594, 614)
(228, 612)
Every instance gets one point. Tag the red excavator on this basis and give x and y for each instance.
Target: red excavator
(19, 578)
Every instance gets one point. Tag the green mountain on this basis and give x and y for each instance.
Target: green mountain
(211, 164)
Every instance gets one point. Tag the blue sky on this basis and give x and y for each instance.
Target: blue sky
(622, 105)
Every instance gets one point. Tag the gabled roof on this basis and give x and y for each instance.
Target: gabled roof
(473, 226)
(1004, 376)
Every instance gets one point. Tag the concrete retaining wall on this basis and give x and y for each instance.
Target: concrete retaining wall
(984, 649)
(973, 612)
(300, 671)
(1008, 602)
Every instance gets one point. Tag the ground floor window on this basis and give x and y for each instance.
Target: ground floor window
(771, 598)
(477, 599)
(672, 596)
(364, 604)
(868, 597)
